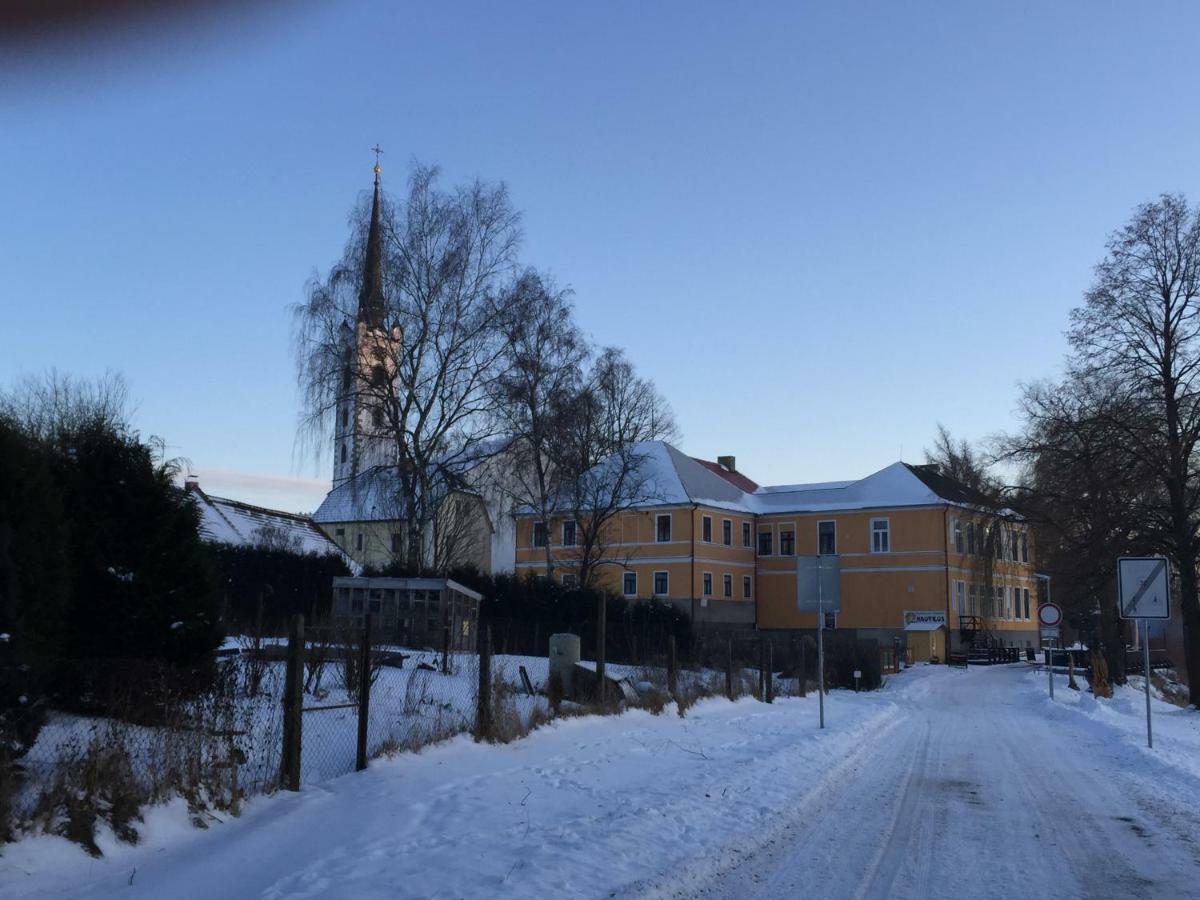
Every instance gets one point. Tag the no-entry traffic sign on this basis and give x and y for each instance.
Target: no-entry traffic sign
(1050, 615)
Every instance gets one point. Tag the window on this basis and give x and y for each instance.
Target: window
(764, 543)
(1026, 604)
(540, 537)
(727, 586)
(345, 416)
(827, 538)
(1025, 549)
(746, 587)
(340, 532)
(396, 546)
(746, 534)
(358, 541)
(971, 538)
(569, 580)
(830, 621)
(726, 532)
(378, 376)
(881, 537)
(960, 597)
(343, 452)
(707, 584)
(787, 542)
(377, 417)
(974, 597)
(661, 584)
(629, 584)
(706, 529)
(568, 534)
(1012, 545)
(998, 603)
(958, 536)
(375, 601)
(662, 532)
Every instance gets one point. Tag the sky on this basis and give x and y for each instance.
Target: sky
(820, 228)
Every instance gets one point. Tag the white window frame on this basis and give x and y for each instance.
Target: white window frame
(960, 597)
(654, 583)
(1027, 615)
(670, 528)
(706, 523)
(747, 587)
(624, 576)
(727, 526)
(706, 584)
(957, 539)
(886, 531)
(727, 586)
(770, 532)
(780, 528)
(748, 535)
(832, 522)
(574, 533)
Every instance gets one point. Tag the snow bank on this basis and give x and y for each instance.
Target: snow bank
(582, 806)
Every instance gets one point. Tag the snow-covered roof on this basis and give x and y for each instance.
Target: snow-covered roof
(671, 477)
(225, 521)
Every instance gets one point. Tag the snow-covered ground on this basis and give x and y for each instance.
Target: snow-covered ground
(967, 784)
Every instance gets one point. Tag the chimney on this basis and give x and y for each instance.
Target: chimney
(191, 483)
(728, 463)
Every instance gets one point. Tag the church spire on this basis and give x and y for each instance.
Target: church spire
(371, 308)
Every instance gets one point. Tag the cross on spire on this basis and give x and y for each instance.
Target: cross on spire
(378, 151)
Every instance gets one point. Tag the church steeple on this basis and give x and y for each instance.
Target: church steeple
(371, 308)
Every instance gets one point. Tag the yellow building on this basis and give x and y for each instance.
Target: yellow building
(912, 546)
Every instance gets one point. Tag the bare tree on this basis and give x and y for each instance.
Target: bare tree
(1139, 330)
(57, 403)
(546, 358)
(603, 459)
(413, 376)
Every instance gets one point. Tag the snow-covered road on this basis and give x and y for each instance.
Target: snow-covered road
(964, 784)
(987, 790)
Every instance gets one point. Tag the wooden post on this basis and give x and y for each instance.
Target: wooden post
(483, 724)
(601, 631)
(672, 674)
(729, 669)
(293, 702)
(446, 647)
(770, 672)
(364, 694)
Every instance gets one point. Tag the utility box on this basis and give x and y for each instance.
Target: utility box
(564, 654)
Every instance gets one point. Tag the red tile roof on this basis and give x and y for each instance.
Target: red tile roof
(737, 479)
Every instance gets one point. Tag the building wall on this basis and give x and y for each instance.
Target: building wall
(918, 571)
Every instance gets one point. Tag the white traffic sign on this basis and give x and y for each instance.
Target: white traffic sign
(1050, 615)
(1144, 583)
(1049, 633)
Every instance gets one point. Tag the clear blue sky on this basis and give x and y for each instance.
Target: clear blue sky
(820, 227)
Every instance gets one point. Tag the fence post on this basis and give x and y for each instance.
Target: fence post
(364, 694)
(293, 702)
(601, 634)
(770, 672)
(483, 725)
(762, 667)
(672, 671)
(446, 646)
(729, 669)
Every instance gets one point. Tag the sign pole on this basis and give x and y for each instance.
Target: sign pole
(1050, 666)
(1146, 673)
(820, 644)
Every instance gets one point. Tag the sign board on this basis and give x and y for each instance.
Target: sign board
(924, 620)
(1049, 633)
(1050, 615)
(818, 579)
(1144, 587)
